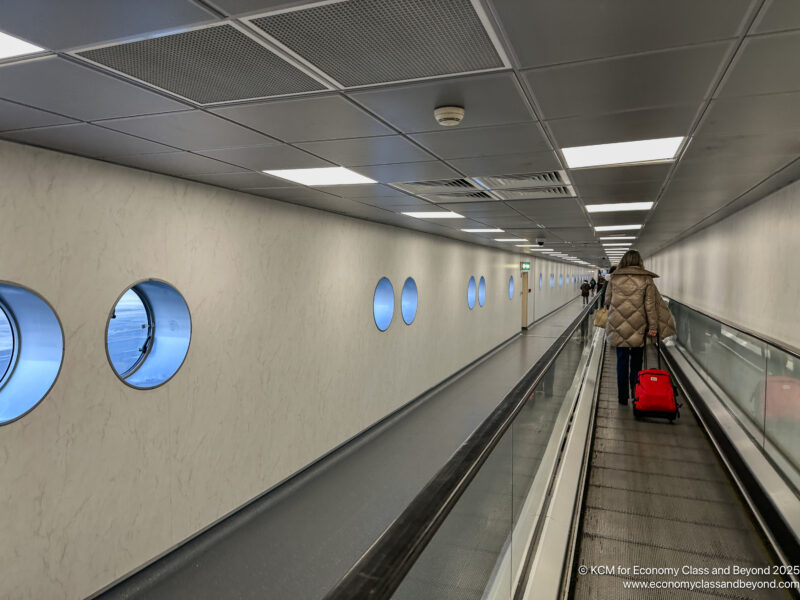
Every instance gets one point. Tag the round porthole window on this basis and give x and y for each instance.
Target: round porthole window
(148, 334)
(408, 301)
(383, 304)
(482, 291)
(511, 288)
(31, 350)
(471, 293)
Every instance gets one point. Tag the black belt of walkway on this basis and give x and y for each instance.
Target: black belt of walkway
(381, 570)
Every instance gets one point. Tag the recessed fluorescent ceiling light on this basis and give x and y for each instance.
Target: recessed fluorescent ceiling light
(542, 249)
(618, 207)
(323, 176)
(434, 215)
(510, 240)
(622, 153)
(11, 46)
(483, 230)
(617, 227)
(620, 244)
(619, 237)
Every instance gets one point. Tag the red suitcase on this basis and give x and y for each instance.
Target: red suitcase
(655, 395)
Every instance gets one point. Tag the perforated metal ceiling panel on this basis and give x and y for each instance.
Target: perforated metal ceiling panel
(208, 65)
(364, 42)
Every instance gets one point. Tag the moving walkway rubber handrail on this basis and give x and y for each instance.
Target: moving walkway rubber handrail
(759, 336)
(382, 568)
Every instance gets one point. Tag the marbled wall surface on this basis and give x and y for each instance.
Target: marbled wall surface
(285, 361)
(743, 269)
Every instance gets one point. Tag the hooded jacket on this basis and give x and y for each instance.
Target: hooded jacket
(635, 306)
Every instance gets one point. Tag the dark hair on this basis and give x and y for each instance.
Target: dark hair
(632, 258)
(612, 269)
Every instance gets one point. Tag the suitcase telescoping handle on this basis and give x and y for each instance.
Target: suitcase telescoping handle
(658, 348)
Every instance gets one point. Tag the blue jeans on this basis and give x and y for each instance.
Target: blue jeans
(629, 363)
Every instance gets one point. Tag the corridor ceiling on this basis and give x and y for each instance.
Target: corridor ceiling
(218, 91)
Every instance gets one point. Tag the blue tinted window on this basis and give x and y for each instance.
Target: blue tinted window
(408, 301)
(6, 344)
(29, 368)
(540, 281)
(471, 293)
(552, 280)
(128, 332)
(383, 304)
(148, 335)
(511, 288)
(482, 291)
(560, 280)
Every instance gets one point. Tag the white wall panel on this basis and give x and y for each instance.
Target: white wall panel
(742, 269)
(285, 361)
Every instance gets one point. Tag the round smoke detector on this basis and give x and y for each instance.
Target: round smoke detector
(449, 115)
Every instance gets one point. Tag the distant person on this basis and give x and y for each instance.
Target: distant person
(585, 291)
(632, 301)
(605, 285)
(592, 285)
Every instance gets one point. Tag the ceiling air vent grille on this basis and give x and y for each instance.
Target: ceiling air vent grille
(366, 42)
(467, 197)
(524, 181)
(560, 191)
(440, 186)
(207, 65)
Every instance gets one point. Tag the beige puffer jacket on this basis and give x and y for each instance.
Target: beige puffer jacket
(634, 306)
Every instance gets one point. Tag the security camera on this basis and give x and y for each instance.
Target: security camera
(540, 242)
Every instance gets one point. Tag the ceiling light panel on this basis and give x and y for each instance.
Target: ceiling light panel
(11, 47)
(321, 176)
(620, 244)
(622, 153)
(206, 65)
(617, 227)
(483, 230)
(618, 207)
(434, 215)
(619, 237)
(367, 42)
(510, 240)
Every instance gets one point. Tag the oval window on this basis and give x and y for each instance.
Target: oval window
(148, 334)
(552, 280)
(471, 293)
(511, 288)
(482, 291)
(540, 281)
(560, 280)
(408, 301)
(27, 370)
(383, 304)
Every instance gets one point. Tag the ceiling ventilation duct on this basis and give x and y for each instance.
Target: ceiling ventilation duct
(559, 191)
(524, 181)
(444, 186)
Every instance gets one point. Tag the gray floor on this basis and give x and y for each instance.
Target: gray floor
(299, 541)
(658, 496)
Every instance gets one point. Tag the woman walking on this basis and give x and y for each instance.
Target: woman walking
(633, 313)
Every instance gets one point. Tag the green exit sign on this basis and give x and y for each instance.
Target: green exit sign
(524, 266)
